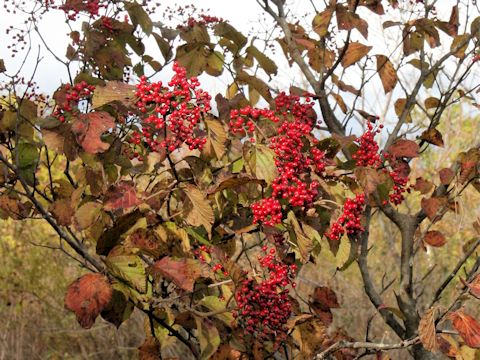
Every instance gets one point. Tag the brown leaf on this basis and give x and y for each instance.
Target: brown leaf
(348, 20)
(183, 272)
(89, 127)
(120, 196)
(423, 186)
(446, 176)
(474, 286)
(114, 91)
(404, 148)
(387, 73)
(368, 178)
(447, 345)
(340, 102)
(354, 53)
(435, 238)
(150, 349)
(199, 211)
(62, 211)
(432, 206)
(310, 336)
(427, 332)
(323, 300)
(432, 136)
(467, 327)
(230, 181)
(87, 297)
(226, 352)
(431, 103)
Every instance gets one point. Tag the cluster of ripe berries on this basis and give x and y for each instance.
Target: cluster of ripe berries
(172, 114)
(399, 187)
(350, 220)
(73, 8)
(264, 307)
(73, 95)
(242, 121)
(293, 162)
(367, 153)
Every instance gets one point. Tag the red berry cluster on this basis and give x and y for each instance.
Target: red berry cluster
(73, 96)
(73, 8)
(268, 211)
(367, 153)
(202, 250)
(399, 187)
(293, 162)
(349, 221)
(173, 113)
(264, 307)
(242, 121)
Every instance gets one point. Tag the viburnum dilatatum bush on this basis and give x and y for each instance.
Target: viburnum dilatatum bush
(264, 306)
(172, 113)
(210, 183)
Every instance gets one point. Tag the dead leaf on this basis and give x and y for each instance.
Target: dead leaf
(121, 196)
(404, 148)
(467, 327)
(432, 136)
(183, 272)
(427, 331)
(435, 238)
(387, 73)
(354, 53)
(88, 129)
(87, 297)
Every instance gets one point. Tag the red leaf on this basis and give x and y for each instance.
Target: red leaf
(87, 297)
(474, 286)
(150, 349)
(432, 206)
(89, 127)
(446, 176)
(121, 196)
(435, 238)
(404, 148)
(423, 186)
(325, 297)
(183, 272)
(467, 327)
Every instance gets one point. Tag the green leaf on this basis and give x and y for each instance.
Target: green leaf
(193, 57)
(215, 63)
(227, 31)
(260, 161)
(26, 159)
(139, 16)
(264, 61)
(209, 337)
(87, 215)
(130, 269)
(213, 303)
